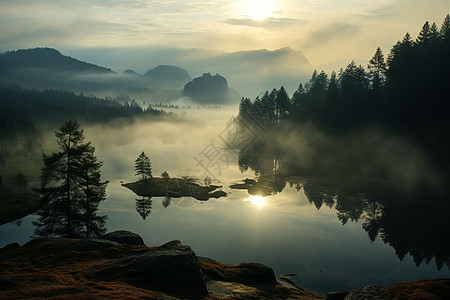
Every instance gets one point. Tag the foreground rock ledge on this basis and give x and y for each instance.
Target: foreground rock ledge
(119, 266)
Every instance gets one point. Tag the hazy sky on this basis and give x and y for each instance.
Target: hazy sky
(329, 32)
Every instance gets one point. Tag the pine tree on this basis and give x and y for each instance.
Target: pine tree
(377, 69)
(445, 28)
(143, 166)
(93, 192)
(434, 34)
(424, 37)
(71, 186)
(283, 103)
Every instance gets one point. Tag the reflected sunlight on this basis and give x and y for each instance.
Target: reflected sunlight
(258, 201)
(256, 10)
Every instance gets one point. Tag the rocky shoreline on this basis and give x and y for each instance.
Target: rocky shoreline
(119, 265)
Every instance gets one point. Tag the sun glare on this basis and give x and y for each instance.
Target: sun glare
(258, 201)
(255, 9)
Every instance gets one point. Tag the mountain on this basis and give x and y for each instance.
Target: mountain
(209, 89)
(168, 76)
(250, 72)
(45, 59)
(130, 72)
(253, 72)
(47, 68)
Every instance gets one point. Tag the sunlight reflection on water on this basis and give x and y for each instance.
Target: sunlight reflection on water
(258, 201)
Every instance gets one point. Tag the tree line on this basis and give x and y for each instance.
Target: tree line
(406, 93)
(22, 111)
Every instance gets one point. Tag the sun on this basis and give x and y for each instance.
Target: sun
(258, 201)
(256, 9)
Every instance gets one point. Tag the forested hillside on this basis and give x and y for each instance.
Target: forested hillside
(406, 94)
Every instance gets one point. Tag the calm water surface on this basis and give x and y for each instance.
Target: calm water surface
(284, 231)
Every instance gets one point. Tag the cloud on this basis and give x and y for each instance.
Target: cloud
(327, 31)
(334, 31)
(265, 23)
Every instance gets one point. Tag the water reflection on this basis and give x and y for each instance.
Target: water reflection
(412, 219)
(144, 207)
(258, 201)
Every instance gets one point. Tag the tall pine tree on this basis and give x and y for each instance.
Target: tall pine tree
(71, 186)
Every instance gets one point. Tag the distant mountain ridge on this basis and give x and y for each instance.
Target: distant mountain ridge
(46, 68)
(46, 58)
(250, 72)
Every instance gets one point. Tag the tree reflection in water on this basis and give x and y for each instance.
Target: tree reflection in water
(144, 207)
(412, 219)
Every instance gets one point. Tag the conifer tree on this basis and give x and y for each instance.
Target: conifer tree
(143, 166)
(283, 103)
(424, 37)
(377, 69)
(445, 28)
(93, 192)
(71, 186)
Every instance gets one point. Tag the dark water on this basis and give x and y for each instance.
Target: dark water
(337, 233)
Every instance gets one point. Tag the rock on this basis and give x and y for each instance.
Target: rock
(254, 272)
(94, 245)
(208, 89)
(10, 247)
(123, 237)
(372, 292)
(247, 273)
(173, 268)
(175, 244)
(336, 295)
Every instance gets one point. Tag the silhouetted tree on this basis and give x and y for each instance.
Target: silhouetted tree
(143, 166)
(283, 103)
(377, 69)
(94, 191)
(72, 198)
(445, 28)
(424, 37)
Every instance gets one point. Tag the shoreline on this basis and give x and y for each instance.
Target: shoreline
(119, 265)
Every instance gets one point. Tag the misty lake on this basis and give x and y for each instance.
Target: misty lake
(294, 226)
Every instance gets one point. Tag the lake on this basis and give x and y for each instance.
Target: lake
(294, 226)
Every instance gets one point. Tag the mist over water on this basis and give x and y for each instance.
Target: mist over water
(284, 230)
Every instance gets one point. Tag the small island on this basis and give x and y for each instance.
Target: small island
(174, 188)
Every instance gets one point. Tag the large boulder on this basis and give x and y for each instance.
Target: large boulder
(123, 237)
(172, 268)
